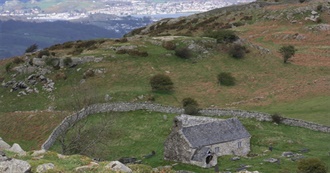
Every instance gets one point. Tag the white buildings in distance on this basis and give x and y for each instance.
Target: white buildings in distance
(132, 8)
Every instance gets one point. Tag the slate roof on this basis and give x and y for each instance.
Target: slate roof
(200, 154)
(215, 132)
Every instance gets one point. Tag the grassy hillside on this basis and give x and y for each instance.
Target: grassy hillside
(298, 89)
(136, 134)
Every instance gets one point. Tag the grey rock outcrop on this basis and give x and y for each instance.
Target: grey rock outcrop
(14, 166)
(86, 168)
(45, 167)
(16, 148)
(3, 145)
(38, 152)
(118, 166)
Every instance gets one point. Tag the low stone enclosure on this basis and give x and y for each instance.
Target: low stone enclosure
(125, 107)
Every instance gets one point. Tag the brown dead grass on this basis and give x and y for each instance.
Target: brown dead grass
(33, 126)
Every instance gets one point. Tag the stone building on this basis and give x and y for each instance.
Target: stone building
(200, 140)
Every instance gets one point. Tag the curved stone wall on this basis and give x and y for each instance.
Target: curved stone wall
(125, 107)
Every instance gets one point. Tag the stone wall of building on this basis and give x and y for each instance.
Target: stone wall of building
(125, 107)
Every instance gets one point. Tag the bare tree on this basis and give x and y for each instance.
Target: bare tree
(82, 137)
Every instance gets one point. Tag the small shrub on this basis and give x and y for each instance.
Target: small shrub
(53, 62)
(319, 20)
(77, 51)
(60, 76)
(189, 101)
(121, 51)
(138, 53)
(237, 51)
(276, 118)
(31, 48)
(223, 36)
(68, 45)
(121, 40)
(86, 44)
(287, 52)
(42, 53)
(67, 61)
(89, 73)
(312, 165)
(319, 7)
(169, 45)
(8, 67)
(17, 60)
(301, 1)
(183, 53)
(190, 106)
(161, 82)
(191, 110)
(226, 79)
(237, 24)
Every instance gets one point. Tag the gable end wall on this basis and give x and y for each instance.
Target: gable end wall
(177, 148)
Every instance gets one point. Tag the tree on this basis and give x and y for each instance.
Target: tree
(223, 36)
(226, 79)
(31, 48)
(311, 165)
(190, 106)
(287, 52)
(161, 82)
(183, 52)
(277, 118)
(237, 51)
(81, 136)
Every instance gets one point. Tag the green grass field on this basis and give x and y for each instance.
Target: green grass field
(135, 134)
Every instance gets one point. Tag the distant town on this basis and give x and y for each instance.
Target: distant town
(139, 8)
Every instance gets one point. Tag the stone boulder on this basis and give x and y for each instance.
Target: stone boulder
(14, 166)
(3, 145)
(38, 62)
(38, 152)
(45, 167)
(87, 168)
(118, 166)
(17, 149)
(3, 156)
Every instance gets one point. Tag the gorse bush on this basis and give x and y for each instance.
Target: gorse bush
(67, 61)
(189, 101)
(138, 53)
(31, 48)
(169, 45)
(223, 36)
(9, 66)
(276, 118)
(161, 82)
(53, 62)
(226, 79)
(18, 60)
(87, 44)
(287, 52)
(190, 106)
(89, 73)
(311, 165)
(237, 51)
(43, 53)
(183, 53)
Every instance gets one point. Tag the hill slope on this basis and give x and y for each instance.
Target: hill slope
(120, 70)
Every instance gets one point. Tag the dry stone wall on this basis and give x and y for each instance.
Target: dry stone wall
(125, 107)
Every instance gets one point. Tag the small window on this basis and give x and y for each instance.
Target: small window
(217, 150)
(239, 144)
